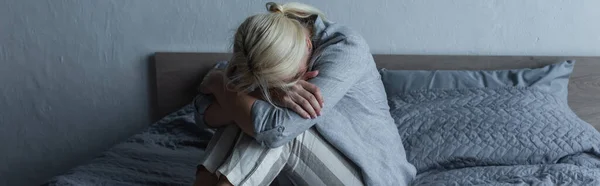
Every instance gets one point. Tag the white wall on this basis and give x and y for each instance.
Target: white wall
(74, 72)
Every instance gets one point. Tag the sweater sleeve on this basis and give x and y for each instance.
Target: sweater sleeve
(341, 63)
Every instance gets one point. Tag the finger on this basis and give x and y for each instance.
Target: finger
(289, 103)
(310, 75)
(316, 91)
(312, 100)
(305, 104)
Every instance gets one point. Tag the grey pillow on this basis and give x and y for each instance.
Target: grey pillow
(552, 78)
(458, 119)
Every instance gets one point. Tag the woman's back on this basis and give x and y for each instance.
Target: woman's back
(360, 125)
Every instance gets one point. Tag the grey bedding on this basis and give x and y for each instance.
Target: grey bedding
(503, 127)
(504, 136)
(166, 153)
(509, 128)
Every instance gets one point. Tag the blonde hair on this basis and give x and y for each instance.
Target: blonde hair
(268, 47)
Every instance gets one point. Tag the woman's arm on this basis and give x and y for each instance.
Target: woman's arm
(239, 106)
(341, 64)
(215, 116)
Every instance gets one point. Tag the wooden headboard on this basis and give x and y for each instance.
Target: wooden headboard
(177, 75)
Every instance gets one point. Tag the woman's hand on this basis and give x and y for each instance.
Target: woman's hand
(303, 98)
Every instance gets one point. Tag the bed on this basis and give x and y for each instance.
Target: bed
(166, 152)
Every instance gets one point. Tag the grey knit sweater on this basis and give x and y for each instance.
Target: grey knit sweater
(355, 119)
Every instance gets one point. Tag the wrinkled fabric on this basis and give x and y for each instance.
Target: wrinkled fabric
(495, 136)
(552, 78)
(505, 127)
(166, 153)
(355, 118)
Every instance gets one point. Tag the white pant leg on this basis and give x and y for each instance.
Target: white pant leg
(308, 160)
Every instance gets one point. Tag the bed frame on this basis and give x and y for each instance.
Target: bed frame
(177, 74)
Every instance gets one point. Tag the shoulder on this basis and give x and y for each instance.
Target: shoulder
(335, 33)
(340, 46)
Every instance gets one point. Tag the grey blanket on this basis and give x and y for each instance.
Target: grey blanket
(166, 153)
(503, 136)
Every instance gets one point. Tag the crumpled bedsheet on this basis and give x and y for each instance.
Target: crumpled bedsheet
(166, 153)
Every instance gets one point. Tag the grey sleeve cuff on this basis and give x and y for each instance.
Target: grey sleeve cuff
(267, 126)
(201, 103)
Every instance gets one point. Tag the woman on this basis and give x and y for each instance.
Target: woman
(301, 96)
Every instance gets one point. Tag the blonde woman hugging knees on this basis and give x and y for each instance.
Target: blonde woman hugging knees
(300, 98)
